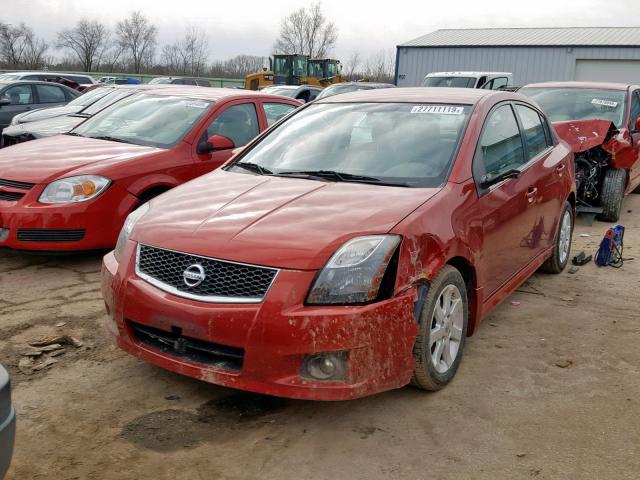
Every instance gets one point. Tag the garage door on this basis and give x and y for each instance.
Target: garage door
(624, 71)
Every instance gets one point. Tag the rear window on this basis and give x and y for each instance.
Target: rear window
(562, 104)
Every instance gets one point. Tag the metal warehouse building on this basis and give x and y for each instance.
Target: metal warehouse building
(531, 54)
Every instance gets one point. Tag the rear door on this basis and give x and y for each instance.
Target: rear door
(508, 208)
(50, 95)
(21, 97)
(549, 170)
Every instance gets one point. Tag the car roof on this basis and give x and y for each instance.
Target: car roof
(469, 96)
(366, 84)
(602, 85)
(47, 72)
(212, 93)
(466, 74)
(37, 82)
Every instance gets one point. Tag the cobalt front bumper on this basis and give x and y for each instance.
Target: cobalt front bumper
(276, 346)
(26, 224)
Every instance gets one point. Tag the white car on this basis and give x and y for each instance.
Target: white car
(487, 80)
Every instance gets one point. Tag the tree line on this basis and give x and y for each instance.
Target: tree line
(132, 46)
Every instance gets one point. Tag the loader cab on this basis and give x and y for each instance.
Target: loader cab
(289, 69)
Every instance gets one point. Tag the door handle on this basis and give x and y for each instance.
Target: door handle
(531, 194)
(560, 169)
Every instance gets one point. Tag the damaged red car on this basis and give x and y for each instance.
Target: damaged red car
(349, 250)
(601, 124)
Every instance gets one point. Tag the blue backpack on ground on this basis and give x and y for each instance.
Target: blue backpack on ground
(610, 251)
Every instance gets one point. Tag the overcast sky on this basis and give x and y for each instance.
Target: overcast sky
(251, 26)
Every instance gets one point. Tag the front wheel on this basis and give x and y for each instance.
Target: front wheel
(562, 247)
(443, 331)
(612, 194)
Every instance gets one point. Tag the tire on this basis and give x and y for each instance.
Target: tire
(612, 194)
(426, 375)
(562, 246)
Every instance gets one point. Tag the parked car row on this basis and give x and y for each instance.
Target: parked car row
(326, 251)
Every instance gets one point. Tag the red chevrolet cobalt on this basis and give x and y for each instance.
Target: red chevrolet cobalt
(349, 250)
(74, 191)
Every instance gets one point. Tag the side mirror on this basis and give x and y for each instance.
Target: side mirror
(4, 102)
(215, 143)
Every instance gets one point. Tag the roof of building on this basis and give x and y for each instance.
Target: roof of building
(530, 37)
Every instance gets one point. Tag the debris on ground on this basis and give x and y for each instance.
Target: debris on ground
(41, 354)
(515, 303)
(581, 259)
(584, 235)
(574, 270)
(61, 339)
(60, 324)
(567, 299)
(563, 363)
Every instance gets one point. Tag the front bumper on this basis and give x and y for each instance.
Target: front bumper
(7, 423)
(275, 335)
(90, 225)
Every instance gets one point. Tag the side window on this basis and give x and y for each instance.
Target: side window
(238, 122)
(276, 111)
(501, 144)
(481, 82)
(313, 94)
(533, 130)
(19, 94)
(499, 83)
(635, 109)
(50, 94)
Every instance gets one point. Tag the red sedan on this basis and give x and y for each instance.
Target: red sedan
(351, 249)
(73, 192)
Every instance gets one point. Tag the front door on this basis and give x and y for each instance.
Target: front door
(21, 98)
(508, 208)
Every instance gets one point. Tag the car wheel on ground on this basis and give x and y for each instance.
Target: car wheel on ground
(612, 194)
(562, 248)
(443, 331)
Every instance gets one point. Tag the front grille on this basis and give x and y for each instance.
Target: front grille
(191, 349)
(45, 235)
(223, 281)
(11, 196)
(12, 184)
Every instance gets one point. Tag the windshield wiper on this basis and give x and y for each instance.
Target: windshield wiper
(341, 177)
(74, 134)
(253, 167)
(109, 138)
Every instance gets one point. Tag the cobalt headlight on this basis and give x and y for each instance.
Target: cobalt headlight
(354, 273)
(74, 189)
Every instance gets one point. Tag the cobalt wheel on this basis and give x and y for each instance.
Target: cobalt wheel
(443, 331)
(562, 248)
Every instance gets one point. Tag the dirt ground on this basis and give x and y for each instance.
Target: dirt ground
(549, 389)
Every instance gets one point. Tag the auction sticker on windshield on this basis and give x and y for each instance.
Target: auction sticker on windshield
(605, 103)
(442, 109)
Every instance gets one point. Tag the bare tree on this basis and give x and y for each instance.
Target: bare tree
(380, 67)
(137, 38)
(34, 55)
(307, 31)
(238, 66)
(351, 66)
(20, 48)
(88, 40)
(187, 56)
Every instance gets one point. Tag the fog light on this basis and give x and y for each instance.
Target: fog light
(326, 366)
(4, 234)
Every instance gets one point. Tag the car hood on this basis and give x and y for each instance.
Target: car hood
(41, 161)
(280, 222)
(43, 113)
(584, 135)
(45, 128)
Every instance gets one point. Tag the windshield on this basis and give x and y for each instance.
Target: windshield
(90, 97)
(336, 89)
(9, 76)
(561, 104)
(148, 120)
(287, 92)
(112, 97)
(159, 80)
(459, 82)
(392, 143)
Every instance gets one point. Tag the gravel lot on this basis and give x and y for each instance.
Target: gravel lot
(549, 388)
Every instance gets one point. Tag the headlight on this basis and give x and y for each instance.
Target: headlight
(74, 189)
(127, 228)
(355, 272)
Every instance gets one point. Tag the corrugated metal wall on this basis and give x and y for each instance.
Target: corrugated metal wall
(528, 64)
